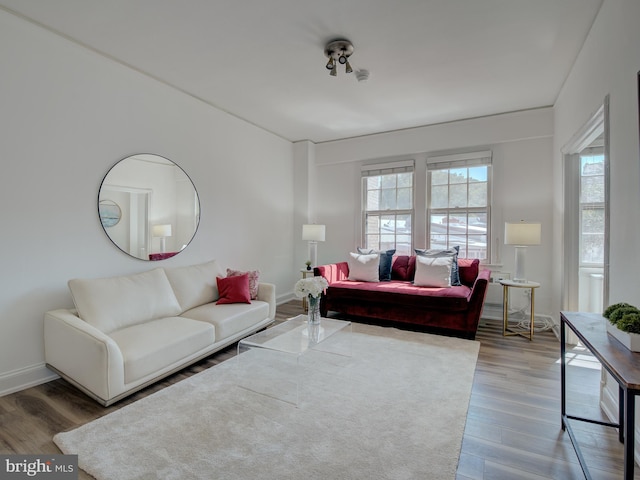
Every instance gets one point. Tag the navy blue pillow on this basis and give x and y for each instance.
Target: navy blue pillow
(453, 251)
(386, 259)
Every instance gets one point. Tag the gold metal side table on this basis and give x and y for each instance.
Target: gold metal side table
(506, 284)
(306, 273)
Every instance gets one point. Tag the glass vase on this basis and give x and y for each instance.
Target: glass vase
(313, 314)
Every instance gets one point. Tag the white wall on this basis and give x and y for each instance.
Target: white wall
(608, 64)
(522, 188)
(67, 116)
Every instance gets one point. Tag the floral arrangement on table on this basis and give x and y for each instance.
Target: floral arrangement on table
(311, 288)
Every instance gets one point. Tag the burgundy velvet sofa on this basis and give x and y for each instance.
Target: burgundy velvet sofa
(453, 310)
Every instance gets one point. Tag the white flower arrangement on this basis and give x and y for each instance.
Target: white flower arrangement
(312, 286)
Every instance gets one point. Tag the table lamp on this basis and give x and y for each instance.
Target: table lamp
(162, 231)
(521, 234)
(313, 234)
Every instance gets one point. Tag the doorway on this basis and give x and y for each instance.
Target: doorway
(586, 224)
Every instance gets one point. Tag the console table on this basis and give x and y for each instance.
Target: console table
(624, 367)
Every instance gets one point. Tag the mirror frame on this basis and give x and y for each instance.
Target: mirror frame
(143, 201)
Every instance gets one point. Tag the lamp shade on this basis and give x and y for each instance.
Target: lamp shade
(161, 230)
(313, 233)
(522, 233)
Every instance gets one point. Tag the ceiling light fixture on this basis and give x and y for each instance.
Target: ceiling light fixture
(338, 51)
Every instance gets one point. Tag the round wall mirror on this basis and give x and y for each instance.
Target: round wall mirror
(148, 207)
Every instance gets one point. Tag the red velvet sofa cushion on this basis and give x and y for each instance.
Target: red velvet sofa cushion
(403, 267)
(404, 293)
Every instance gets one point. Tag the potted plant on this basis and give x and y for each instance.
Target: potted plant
(308, 264)
(624, 324)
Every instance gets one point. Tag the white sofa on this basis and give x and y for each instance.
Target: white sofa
(128, 332)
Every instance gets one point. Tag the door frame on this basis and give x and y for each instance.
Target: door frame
(597, 124)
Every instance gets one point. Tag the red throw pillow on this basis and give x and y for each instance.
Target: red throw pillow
(233, 289)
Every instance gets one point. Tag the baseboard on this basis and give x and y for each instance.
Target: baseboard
(287, 297)
(24, 378)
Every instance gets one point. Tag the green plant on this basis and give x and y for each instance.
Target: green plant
(612, 308)
(624, 316)
(630, 323)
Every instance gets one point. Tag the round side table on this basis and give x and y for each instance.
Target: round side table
(506, 284)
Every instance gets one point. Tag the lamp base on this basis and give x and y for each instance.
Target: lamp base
(313, 253)
(519, 275)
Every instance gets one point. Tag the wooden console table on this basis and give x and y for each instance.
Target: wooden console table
(624, 367)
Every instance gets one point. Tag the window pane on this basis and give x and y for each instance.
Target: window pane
(387, 223)
(592, 248)
(388, 199)
(478, 174)
(405, 199)
(388, 181)
(387, 242)
(477, 247)
(373, 200)
(440, 196)
(478, 194)
(458, 175)
(373, 224)
(438, 241)
(592, 189)
(458, 195)
(593, 220)
(373, 241)
(373, 183)
(440, 177)
(405, 180)
(477, 223)
(403, 245)
(404, 223)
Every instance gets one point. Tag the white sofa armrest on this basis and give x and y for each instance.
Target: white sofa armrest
(83, 354)
(267, 293)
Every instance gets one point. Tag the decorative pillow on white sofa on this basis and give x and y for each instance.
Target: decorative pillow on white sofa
(433, 271)
(364, 268)
(110, 304)
(195, 285)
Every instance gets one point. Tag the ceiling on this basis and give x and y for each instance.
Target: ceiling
(430, 61)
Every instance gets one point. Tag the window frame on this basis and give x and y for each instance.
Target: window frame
(379, 170)
(456, 161)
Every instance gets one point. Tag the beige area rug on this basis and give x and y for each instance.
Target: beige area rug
(395, 409)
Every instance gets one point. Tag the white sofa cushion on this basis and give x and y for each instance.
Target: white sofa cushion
(195, 285)
(149, 347)
(110, 304)
(364, 268)
(433, 271)
(230, 318)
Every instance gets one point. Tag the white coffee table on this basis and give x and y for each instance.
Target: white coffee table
(272, 362)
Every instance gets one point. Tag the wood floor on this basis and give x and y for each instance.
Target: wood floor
(512, 430)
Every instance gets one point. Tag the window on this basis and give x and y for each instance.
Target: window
(458, 210)
(592, 207)
(388, 207)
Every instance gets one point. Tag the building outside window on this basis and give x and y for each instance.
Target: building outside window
(459, 203)
(388, 207)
